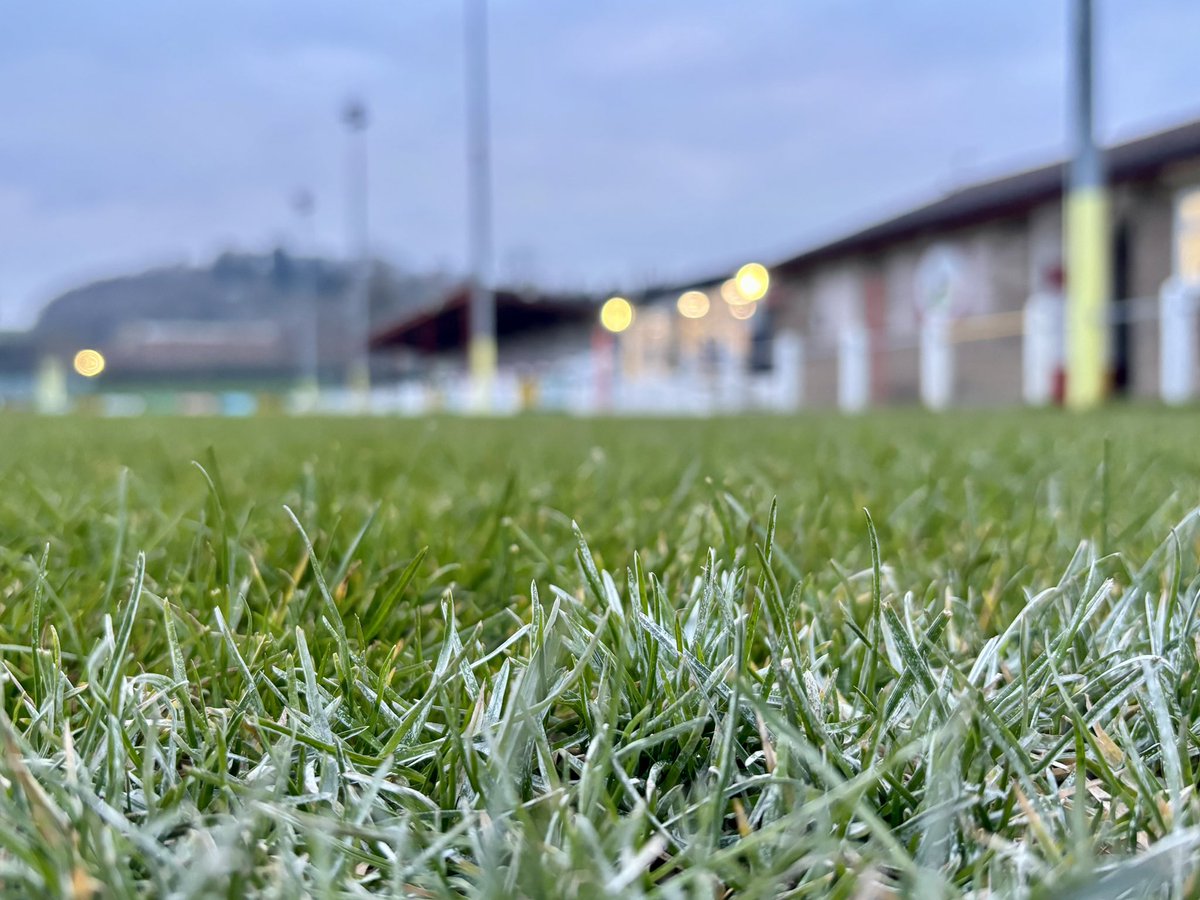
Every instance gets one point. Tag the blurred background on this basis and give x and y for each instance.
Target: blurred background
(684, 207)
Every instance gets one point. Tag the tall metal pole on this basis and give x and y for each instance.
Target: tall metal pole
(304, 205)
(1086, 229)
(482, 350)
(358, 373)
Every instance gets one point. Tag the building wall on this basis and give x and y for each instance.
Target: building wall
(987, 348)
(892, 287)
(988, 372)
(837, 300)
(1045, 248)
(1147, 212)
(985, 272)
(997, 266)
(900, 266)
(832, 294)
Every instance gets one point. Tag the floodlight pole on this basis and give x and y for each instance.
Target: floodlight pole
(481, 352)
(1086, 229)
(304, 205)
(354, 117)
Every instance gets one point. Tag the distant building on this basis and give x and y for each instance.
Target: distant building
(980, 253)
(527, 322)
(972, 259)
(553, 349)
(544, 344)
(664, 338)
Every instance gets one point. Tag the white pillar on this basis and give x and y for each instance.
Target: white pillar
(854, 377)
(788, 393)
(1177, 341)
(1041, 347)
(937, 360)
(50, 388)
(731, 394)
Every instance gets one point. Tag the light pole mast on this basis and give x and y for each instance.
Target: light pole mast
(354, 117)
(481, 352)
(1086, 228)
(305, 207)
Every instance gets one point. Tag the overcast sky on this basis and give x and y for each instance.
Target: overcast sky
(631, 140)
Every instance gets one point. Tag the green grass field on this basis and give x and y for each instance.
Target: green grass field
(340, 657)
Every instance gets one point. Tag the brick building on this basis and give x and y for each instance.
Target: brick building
(980, 252)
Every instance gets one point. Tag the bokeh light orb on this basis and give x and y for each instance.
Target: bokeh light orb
(744, 311)
(616, 314)
(729, 292)
(752, 281)
(693, 304)
(89, 363)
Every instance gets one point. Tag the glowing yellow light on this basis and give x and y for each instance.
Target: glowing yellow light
(752, 281)
(729, 293)
(693, 304)
(616, 314)
(89, 363)
(744, 311)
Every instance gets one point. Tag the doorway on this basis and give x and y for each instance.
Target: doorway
(1121, 334)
